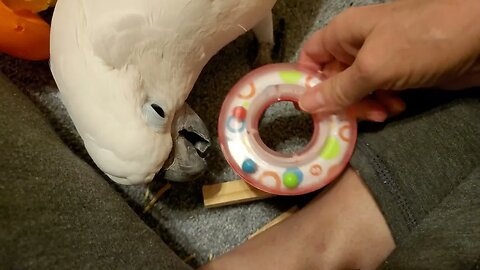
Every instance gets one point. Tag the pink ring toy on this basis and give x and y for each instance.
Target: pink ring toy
(321, 161)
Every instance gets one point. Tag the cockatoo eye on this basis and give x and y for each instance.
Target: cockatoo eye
(154, 115)
(159, 110)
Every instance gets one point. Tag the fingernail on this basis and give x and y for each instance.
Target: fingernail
(377, 116)
(312, 101)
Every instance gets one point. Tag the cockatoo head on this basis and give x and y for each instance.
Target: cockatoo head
(134, 120)
(154, 139)
(134, 137)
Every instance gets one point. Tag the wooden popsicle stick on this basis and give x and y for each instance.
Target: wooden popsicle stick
(231, 192)
(275, 221)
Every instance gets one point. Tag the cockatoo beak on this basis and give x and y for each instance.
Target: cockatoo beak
(190, 141)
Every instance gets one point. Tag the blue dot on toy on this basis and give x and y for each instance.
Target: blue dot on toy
(234, 129)
(249, 166)
(292, 177)
(297, 172)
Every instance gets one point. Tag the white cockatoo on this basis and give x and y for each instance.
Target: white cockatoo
(124, 69)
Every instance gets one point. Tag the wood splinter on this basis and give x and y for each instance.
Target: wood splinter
(275, 221)
(231, 192)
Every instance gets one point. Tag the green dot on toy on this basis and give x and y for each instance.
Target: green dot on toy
(331, 148)
(290, 76)
(290, 180)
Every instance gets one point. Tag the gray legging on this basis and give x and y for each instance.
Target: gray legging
(424, 172)
(57, 212)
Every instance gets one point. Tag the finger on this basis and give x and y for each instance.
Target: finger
(394, 104)
(341, 39)
(335, 44)
(322, 49)
(369, 109)
(338, 92)
(333, 68)
(314, 55)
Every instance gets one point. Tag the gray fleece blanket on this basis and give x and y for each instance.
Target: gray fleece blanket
(179, 217)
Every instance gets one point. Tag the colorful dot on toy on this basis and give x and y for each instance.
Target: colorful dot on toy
(240, 113)
(297, 172)
(235, 128)
(290, 76)
(331, 148)
(316, 170)
(249, 166)
(290, 180)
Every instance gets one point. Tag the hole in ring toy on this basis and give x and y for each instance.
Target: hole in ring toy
(320, 162)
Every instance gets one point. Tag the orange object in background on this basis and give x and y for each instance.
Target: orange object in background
(23, 33)
(33, 6)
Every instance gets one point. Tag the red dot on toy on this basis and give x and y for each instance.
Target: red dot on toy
(240, 113)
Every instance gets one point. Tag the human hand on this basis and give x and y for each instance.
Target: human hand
(394, 46)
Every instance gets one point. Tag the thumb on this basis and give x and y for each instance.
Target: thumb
(336, 93)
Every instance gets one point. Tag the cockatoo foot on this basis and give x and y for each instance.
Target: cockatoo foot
(264, 54)
(270, 42)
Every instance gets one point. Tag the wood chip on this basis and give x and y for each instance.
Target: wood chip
(275, 221)
(147, 193)
(189, 258)
(210, 257)
(231, 192)
(156, 197)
